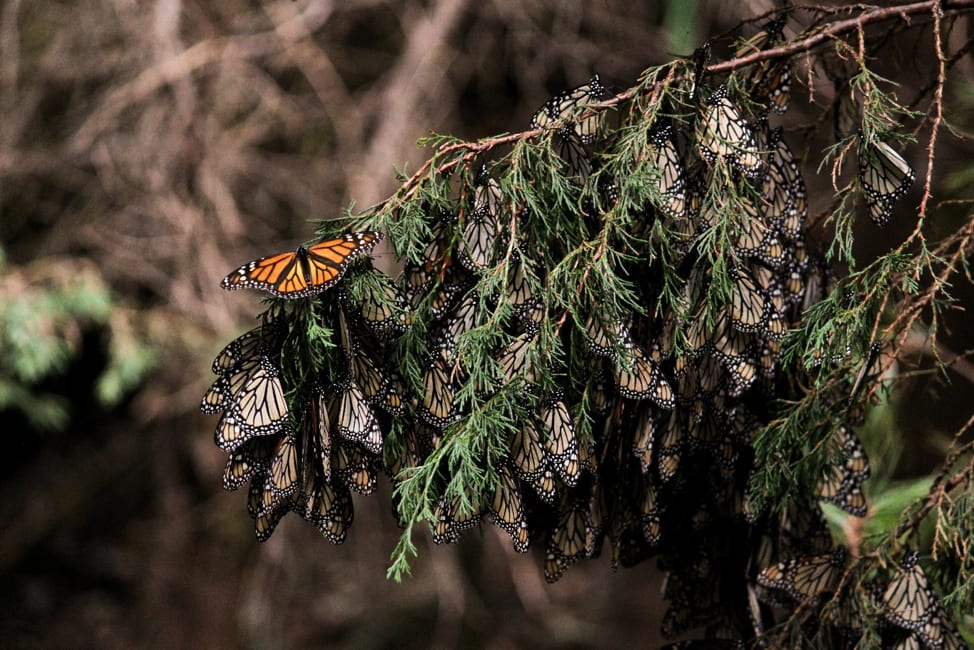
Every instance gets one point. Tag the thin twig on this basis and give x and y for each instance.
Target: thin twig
(938, 97)
(185, 63)
(409, 187)
(943, 485)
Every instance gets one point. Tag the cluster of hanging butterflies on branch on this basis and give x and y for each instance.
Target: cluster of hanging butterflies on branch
(585, 368)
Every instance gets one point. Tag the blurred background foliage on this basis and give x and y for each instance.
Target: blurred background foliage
(146, 149)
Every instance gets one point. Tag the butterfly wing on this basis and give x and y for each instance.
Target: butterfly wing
(328, 260)
(564, 106)
(885, 177)
(305, 272)
(507, 509)
(722, 133)
(269, 274)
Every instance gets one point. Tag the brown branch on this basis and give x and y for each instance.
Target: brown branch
(909, 309)
(404, 92)
(951, 62)
(943, 484)
(409, 187)
(299, 46)
(938, 97)
(196, 57)
(841, 27)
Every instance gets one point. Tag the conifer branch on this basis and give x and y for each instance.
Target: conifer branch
(943, 484)
(474, 148)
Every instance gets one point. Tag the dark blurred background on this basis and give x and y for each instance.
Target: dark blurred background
(148, 148)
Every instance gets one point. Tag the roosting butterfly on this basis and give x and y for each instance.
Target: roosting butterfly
(307, 271)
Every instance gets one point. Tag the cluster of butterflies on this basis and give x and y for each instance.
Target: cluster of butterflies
(610, 423)
(269, 446)
(912, 616)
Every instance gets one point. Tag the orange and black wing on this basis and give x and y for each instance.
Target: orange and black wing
(328, 260)
(305, 272)
(279, 274)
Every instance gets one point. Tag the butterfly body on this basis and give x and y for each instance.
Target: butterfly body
(307, 271)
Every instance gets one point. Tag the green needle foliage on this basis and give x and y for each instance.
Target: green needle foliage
(45, 311)
(620, 330)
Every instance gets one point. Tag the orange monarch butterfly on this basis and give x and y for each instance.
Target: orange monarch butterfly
(266, 522)
(437, 408)
(885, 177)
(261, 338)
(318, 430)
(391, 401)
(307, 271)
(670, 447)
(383, 309)
(567, 541)
(775, 85)
(771, 80)
(368, 376)
(560, 440)
(789, 203)
(354, 469)
(418, 274)
(951, 640)
(227, 388)
(530, 461)
(282, 478)
(441, 302)
(638, 377)
(757, 238)
(910, 603)
(571, 136)
(805, 578)
(702, 379)
(517, 359)
(518, 291)
(507, 509)
(328, 508)
(842, 483)
(481, 228)
(723, 133)
(643, 436)
(766, 280)
(672, 181)
(251, 458)
(351, 416)
(458, 321)
(748, 308)
(577, 159)
(453, 516)
(258, 409)
(564, 105)
(728, 343)
(604, 335)
(236, 364)
(216, 398)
